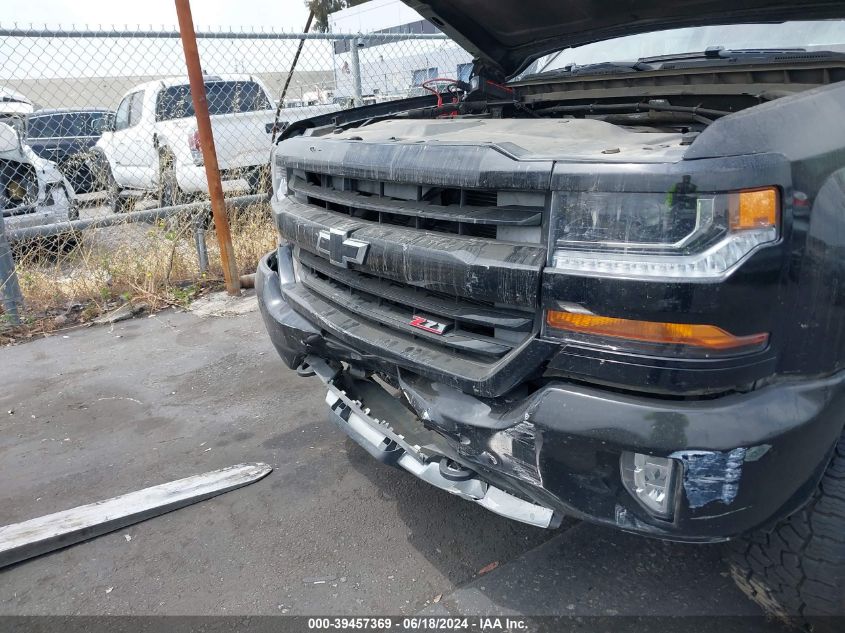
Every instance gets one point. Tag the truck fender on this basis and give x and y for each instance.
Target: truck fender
(103, 165)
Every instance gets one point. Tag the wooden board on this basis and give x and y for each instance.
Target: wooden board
(20, 541)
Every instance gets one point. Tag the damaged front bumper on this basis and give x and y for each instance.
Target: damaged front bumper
(394, 441)
(744, 460)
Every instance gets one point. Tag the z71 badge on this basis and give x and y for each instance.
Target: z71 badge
(435, 327)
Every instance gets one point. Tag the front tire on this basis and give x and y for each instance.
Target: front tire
(80, 170)
(797, 571)
(169, 193)
(105, 179)
(115, 201)
(60, 245)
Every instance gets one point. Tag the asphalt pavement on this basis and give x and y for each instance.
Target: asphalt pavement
(94, 412)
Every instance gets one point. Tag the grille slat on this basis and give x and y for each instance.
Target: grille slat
(398, 317)
(488, 215)
(420, 300)
(471, 268)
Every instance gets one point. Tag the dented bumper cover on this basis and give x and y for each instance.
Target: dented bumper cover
(747, 459)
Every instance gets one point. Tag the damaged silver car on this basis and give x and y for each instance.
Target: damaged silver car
(32, 190)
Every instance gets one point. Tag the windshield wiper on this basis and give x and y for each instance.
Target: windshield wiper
(715, 55)
(601, 68)
(700, 115)
(719, 55)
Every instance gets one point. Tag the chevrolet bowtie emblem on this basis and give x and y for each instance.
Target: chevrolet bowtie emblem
(342, 249)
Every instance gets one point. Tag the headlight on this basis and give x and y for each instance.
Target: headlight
(679, 234)
(21, 191)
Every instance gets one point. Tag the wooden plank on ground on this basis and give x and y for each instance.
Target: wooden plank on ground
(20, 541)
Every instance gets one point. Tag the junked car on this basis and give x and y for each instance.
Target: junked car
(153, 146)
(14, 108)
(13, 103)
(33, 191)
(65, 136)
(602, 279)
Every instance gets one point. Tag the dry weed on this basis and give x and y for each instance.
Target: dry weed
(75, 278)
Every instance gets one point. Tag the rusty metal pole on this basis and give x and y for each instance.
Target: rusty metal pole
(209, 153)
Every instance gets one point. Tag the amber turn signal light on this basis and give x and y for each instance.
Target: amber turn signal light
(693, 335)
(754, 208)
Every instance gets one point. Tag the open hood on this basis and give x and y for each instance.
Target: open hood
(506, 35)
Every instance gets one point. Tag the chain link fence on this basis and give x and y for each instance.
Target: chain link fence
(102, 182)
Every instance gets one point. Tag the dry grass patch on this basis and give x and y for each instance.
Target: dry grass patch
(73, 280)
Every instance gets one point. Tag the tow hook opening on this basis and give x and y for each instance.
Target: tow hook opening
(453, 471)
(305, 370)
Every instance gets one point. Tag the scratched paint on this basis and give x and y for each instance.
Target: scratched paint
(711, 475)
(518, 450)
(628, 521)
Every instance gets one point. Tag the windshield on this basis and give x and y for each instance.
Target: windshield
(809, 35)
(224, 97)
(66, 125)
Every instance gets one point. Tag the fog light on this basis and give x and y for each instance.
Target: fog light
(651, 481)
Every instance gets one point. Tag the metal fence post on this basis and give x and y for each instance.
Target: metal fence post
(199, 242)
(356, 72)
(11, 289)
(209, 153)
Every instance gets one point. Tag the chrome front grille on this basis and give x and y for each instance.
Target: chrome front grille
(457, 268)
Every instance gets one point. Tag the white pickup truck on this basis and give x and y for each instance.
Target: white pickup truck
(153, 146)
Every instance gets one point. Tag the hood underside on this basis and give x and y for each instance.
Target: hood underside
(506, 35)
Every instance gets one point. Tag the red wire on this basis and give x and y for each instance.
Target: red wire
(434, 91)
(498, 85)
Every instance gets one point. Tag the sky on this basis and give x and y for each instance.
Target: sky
(287, 15)
(24, 59)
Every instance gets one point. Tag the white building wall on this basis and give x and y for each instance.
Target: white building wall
(372, 16)
(387, 69)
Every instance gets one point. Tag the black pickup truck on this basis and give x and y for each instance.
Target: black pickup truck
(66, 137)
(604, 278)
